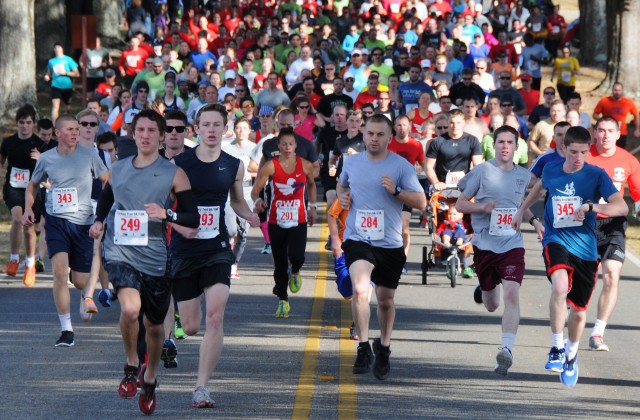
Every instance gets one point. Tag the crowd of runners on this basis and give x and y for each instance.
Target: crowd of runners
(231, 115)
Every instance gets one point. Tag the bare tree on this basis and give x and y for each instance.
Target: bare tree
(108, 17)
(593, 32)
(17, 69)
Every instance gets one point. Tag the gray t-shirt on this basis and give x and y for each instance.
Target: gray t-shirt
(375, 216)
(487, 182)
(71, 182)
(243, 153)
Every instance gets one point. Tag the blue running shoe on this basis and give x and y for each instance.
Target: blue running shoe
(556, 360)
(569, 376)
(104, 297)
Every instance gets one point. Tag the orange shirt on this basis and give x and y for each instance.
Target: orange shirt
(619, 110)
(340, 214)
(622, 167)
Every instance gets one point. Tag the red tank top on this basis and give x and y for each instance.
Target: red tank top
(418, 120)
(287, 207)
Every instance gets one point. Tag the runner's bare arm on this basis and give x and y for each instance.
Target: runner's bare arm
(264, 174)
(238, 203)
(28, 218)
(311, 190)
(534, 195)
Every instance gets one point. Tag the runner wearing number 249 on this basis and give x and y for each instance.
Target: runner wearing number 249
(287, 217)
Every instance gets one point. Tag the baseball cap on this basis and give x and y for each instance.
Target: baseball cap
(364, 51)
(356, 51)
(506, 101)
(425, 63)
(526, 76)
(388, 62)
(266, 110)
(109, 73)
(349, 75)
(203, 83)
(157, 60)
(229, 74)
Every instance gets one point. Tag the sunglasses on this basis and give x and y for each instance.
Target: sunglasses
(265, 115)
(481, 68)
(142, 91)
(176, 128)
(506, 104)
(88, 124)
(442, 127)
(355, 55)
(303, 106)
(549, 93)
(247, 106)
(350, 79)
(505, 78)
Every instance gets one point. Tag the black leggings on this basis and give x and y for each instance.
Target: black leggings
(286, 245)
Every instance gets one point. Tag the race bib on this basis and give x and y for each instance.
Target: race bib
(555, 29)
(95, 62)
(566, 76)
(59, 69)
(500, 224)
(64, 200)
(536, 27)
(370, 224)
(533, 65)
(563, 209)
(131, 228)
(454, 177)
(209, 222)
(287, 217)
(19, 178)
(501, 19)
(395, 8)
(132, 60)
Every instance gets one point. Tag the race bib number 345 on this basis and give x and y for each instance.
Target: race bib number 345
(563, 209)
(131, 228)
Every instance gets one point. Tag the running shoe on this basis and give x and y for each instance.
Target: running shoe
(352, 332)
(29, 278)
(597, 343)
(477, 295)
(404, 269)
(234, 272)
(105, 297)
(129, 384)
(467, 272)
(295, 282)
(364, 358)
(90, 305)
(84, 315)
(169, 354)
(12, 268)
(178, 332)
(283, 309)
(504, 360)
(202, 399)
(39, 266)
(569, 374)
(147, 398)
(65, 340)
(556, 360)
(381, 366)
(266, 249)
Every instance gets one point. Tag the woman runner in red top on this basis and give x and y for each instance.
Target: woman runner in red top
(289, 175)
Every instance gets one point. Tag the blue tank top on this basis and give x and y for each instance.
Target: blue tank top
(210, 183)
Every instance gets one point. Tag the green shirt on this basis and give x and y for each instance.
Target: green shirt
(521, 156)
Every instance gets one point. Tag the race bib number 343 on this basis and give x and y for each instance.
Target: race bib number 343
(131, 228)
(64, 200)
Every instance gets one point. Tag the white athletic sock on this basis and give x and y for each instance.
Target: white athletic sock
(572, 349)
(65, 322)
(598, 327)
(508, 340)
(557, 340)
(30, 262)
(14, 257)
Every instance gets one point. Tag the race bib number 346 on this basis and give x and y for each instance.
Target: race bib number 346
(131, 228)
(500, 224)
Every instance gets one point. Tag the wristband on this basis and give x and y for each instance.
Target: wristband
(313, 205)
(256, 201)
(534, 218)
(590, 205)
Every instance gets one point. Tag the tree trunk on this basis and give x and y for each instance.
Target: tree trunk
(17, 70)
(51, 26)
(593, 32)
(622, 20)
(109, 23)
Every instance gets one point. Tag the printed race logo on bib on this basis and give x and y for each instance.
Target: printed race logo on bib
(370, 224)
(131, 228)
(563, 209)
(287, 217)
(500, 224)
(64, 200)
(566, 76)
(19, 178)
(209, 222)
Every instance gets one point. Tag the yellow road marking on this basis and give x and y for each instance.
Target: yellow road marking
(306, 380)
(347, 392)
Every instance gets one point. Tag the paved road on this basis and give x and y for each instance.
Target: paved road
(443, 354)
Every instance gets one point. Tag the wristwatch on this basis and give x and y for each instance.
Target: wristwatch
(534, 218)
(398, 190)
(171, 215)
(590, 205)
